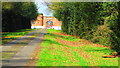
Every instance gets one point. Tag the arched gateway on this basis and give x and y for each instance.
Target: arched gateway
(49, 24)
(46, 22)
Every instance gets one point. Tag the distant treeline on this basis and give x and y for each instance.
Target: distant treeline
(95, 21)
(17, 15)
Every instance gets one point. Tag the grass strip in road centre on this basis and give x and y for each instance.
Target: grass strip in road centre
(54, 53)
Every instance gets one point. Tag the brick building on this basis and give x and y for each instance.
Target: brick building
(46, 22)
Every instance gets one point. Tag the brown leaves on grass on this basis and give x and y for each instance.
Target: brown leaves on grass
(86, 56)
(79, 43)
(71, 43)
(99, 45)
(63, 34)
(65, 42)
(113, 55)
(76, 43)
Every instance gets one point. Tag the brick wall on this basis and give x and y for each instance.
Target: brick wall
(42, 21)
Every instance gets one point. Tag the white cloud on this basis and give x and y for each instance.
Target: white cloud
(43, 8)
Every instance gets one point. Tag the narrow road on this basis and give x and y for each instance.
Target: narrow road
(27, 46)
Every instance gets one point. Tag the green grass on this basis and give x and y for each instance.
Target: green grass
(9, 36)
(69, 38)
(54, 53)
(52, 30)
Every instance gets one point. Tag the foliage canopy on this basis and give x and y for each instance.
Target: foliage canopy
(95, 21)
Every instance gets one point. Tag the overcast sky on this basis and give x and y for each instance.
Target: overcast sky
(42, 8)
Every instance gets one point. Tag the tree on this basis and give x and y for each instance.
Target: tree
(95, 21)
(17, 15)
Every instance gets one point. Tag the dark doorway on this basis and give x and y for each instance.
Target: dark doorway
(49, 24)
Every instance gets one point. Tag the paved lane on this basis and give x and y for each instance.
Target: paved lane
(23, 55)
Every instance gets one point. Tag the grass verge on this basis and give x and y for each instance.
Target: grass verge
(55, 53)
